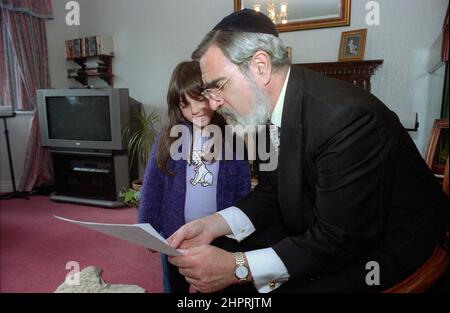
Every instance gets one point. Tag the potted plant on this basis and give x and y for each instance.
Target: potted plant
(130, 197)
(140, 136)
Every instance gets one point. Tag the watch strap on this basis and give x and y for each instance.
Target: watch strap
(240, 258)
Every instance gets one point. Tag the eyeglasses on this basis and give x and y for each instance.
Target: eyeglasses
(215, 94)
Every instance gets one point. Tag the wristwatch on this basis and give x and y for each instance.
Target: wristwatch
(241, 272)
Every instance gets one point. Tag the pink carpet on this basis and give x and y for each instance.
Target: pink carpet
(35, 247)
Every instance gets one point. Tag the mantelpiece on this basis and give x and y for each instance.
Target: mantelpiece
(355, 72)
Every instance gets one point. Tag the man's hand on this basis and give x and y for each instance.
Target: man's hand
(199, 232)
(207, 268)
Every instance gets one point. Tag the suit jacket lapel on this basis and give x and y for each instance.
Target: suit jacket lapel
(290, 156)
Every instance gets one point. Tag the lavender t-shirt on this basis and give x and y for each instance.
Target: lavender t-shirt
(201, 186)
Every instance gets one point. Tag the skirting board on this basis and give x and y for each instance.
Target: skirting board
(7, 186)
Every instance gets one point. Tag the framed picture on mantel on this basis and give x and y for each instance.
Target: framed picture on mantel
(353, 45)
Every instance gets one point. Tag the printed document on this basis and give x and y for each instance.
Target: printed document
(140, 234)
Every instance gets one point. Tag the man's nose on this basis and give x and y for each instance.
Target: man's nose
(215, 104)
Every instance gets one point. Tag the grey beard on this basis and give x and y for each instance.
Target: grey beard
(259, 114)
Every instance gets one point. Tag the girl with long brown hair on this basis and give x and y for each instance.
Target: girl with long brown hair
(175, 192)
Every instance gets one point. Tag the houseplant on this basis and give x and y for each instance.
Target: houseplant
(130, 197)
(140, 136)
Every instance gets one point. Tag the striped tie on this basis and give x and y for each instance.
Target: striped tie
(274, 133)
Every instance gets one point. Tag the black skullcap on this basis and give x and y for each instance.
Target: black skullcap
(247, 20)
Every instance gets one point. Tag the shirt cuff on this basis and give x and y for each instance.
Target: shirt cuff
(240, 224)
(268, 271)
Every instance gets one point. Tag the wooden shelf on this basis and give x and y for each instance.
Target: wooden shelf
(355, 72)
(108, 76)
(92, 56)
(104, 58)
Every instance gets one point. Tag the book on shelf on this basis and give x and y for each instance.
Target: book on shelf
(89, 46)
(77, 72)
(105, 45)
(69, 49)
(98, 70)
(77, 47)
(94, 64)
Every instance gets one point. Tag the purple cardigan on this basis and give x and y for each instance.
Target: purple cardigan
(163, 197)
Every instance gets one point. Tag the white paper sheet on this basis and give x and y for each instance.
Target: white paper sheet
(139, 234)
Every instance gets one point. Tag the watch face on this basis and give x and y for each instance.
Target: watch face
(241, 272)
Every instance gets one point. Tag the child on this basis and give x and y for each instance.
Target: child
(173, 192)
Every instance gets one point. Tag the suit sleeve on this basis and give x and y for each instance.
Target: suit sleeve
(350, 155)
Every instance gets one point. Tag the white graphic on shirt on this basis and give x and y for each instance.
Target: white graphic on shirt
(202, 175)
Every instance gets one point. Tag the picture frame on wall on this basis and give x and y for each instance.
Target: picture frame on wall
(294, 15)
(353, 45)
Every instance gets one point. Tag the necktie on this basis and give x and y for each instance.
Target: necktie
(274, 133)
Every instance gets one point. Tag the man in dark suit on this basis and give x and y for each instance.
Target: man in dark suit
(352, 205)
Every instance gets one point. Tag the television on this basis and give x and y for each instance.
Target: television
(83, 118)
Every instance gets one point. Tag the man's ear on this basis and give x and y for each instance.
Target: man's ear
(261, 67)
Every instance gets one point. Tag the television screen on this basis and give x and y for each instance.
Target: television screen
(83, 118)
(79, 118)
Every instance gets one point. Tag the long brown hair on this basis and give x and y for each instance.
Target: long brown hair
(186, 80)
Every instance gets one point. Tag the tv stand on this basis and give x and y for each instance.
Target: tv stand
(90, 177)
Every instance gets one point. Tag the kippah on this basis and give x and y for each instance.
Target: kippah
(247, 20)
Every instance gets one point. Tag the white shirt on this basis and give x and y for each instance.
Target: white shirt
(268, 271)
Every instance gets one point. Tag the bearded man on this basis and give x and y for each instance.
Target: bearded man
(350, 189)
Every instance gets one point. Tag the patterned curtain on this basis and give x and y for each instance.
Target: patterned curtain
(36, 8)
(24, 47)
(24, 57)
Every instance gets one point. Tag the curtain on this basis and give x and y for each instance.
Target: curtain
(24, 59)
(24, 46)
(38, 170)
(36, 8)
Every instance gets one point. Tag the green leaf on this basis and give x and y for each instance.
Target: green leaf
(141, 138)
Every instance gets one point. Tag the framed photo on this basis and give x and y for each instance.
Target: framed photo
(353, 44)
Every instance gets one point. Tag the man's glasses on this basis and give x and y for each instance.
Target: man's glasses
(215, 94)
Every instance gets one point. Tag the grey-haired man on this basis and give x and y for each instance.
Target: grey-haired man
(350, 187)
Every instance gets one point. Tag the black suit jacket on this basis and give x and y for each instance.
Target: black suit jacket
(350, 187)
